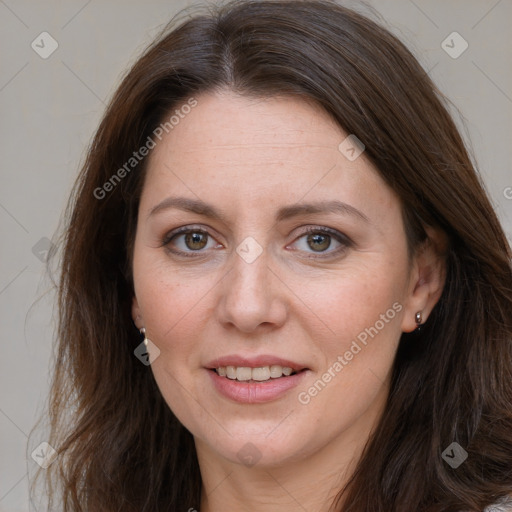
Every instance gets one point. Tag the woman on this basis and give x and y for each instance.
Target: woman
(283, 286)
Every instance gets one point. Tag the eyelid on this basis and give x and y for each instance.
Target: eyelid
(186, 229)
(325, 229)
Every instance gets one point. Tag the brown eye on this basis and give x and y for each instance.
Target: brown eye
(187, 241)
(322, 242)
(319, 242)
(196, 240)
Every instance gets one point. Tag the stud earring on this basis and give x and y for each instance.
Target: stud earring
(418, 319)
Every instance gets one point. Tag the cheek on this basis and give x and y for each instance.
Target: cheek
(173, 307)
(356, 300)
(173, 304)
(176, 305)
(362, 314)
(358, 357)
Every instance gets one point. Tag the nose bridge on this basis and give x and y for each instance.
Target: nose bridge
(249, 279)
(250, 259)
(250, 296)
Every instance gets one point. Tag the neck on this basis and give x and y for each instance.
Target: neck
(272, 489)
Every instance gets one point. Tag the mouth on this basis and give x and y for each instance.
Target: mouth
(255, 380)
(255, 374)
(252, 379)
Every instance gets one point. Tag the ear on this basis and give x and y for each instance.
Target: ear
(427, 278)
(136, 314)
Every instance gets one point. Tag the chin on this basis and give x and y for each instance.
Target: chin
(250, 447)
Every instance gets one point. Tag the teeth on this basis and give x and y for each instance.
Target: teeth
(276, 371)
(245, 373)
(261, 373)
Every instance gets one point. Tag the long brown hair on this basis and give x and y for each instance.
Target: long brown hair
(120, 446)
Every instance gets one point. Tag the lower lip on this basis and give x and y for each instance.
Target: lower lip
(255, 392)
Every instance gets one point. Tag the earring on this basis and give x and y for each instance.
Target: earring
(418, 320)
(143, 332)
(147, 355)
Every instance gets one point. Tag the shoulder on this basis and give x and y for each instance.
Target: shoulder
(504, 505)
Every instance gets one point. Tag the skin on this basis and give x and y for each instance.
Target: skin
(247, 158)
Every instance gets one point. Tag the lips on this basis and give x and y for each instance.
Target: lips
(254, 380)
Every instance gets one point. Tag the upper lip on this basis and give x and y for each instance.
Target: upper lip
(254, 362)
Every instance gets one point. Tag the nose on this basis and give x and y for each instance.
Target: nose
(251, 296)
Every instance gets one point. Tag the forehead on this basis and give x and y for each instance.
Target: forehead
(278, 149)
(226, 123)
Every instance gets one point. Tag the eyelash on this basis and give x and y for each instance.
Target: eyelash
(340, 237)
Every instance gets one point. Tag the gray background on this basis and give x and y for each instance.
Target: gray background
(51, 107)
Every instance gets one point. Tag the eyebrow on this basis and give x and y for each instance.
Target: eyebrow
(286, 212)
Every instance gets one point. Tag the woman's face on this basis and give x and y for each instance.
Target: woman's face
(265, 245)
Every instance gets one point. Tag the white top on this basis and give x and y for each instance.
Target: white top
(501, 506)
